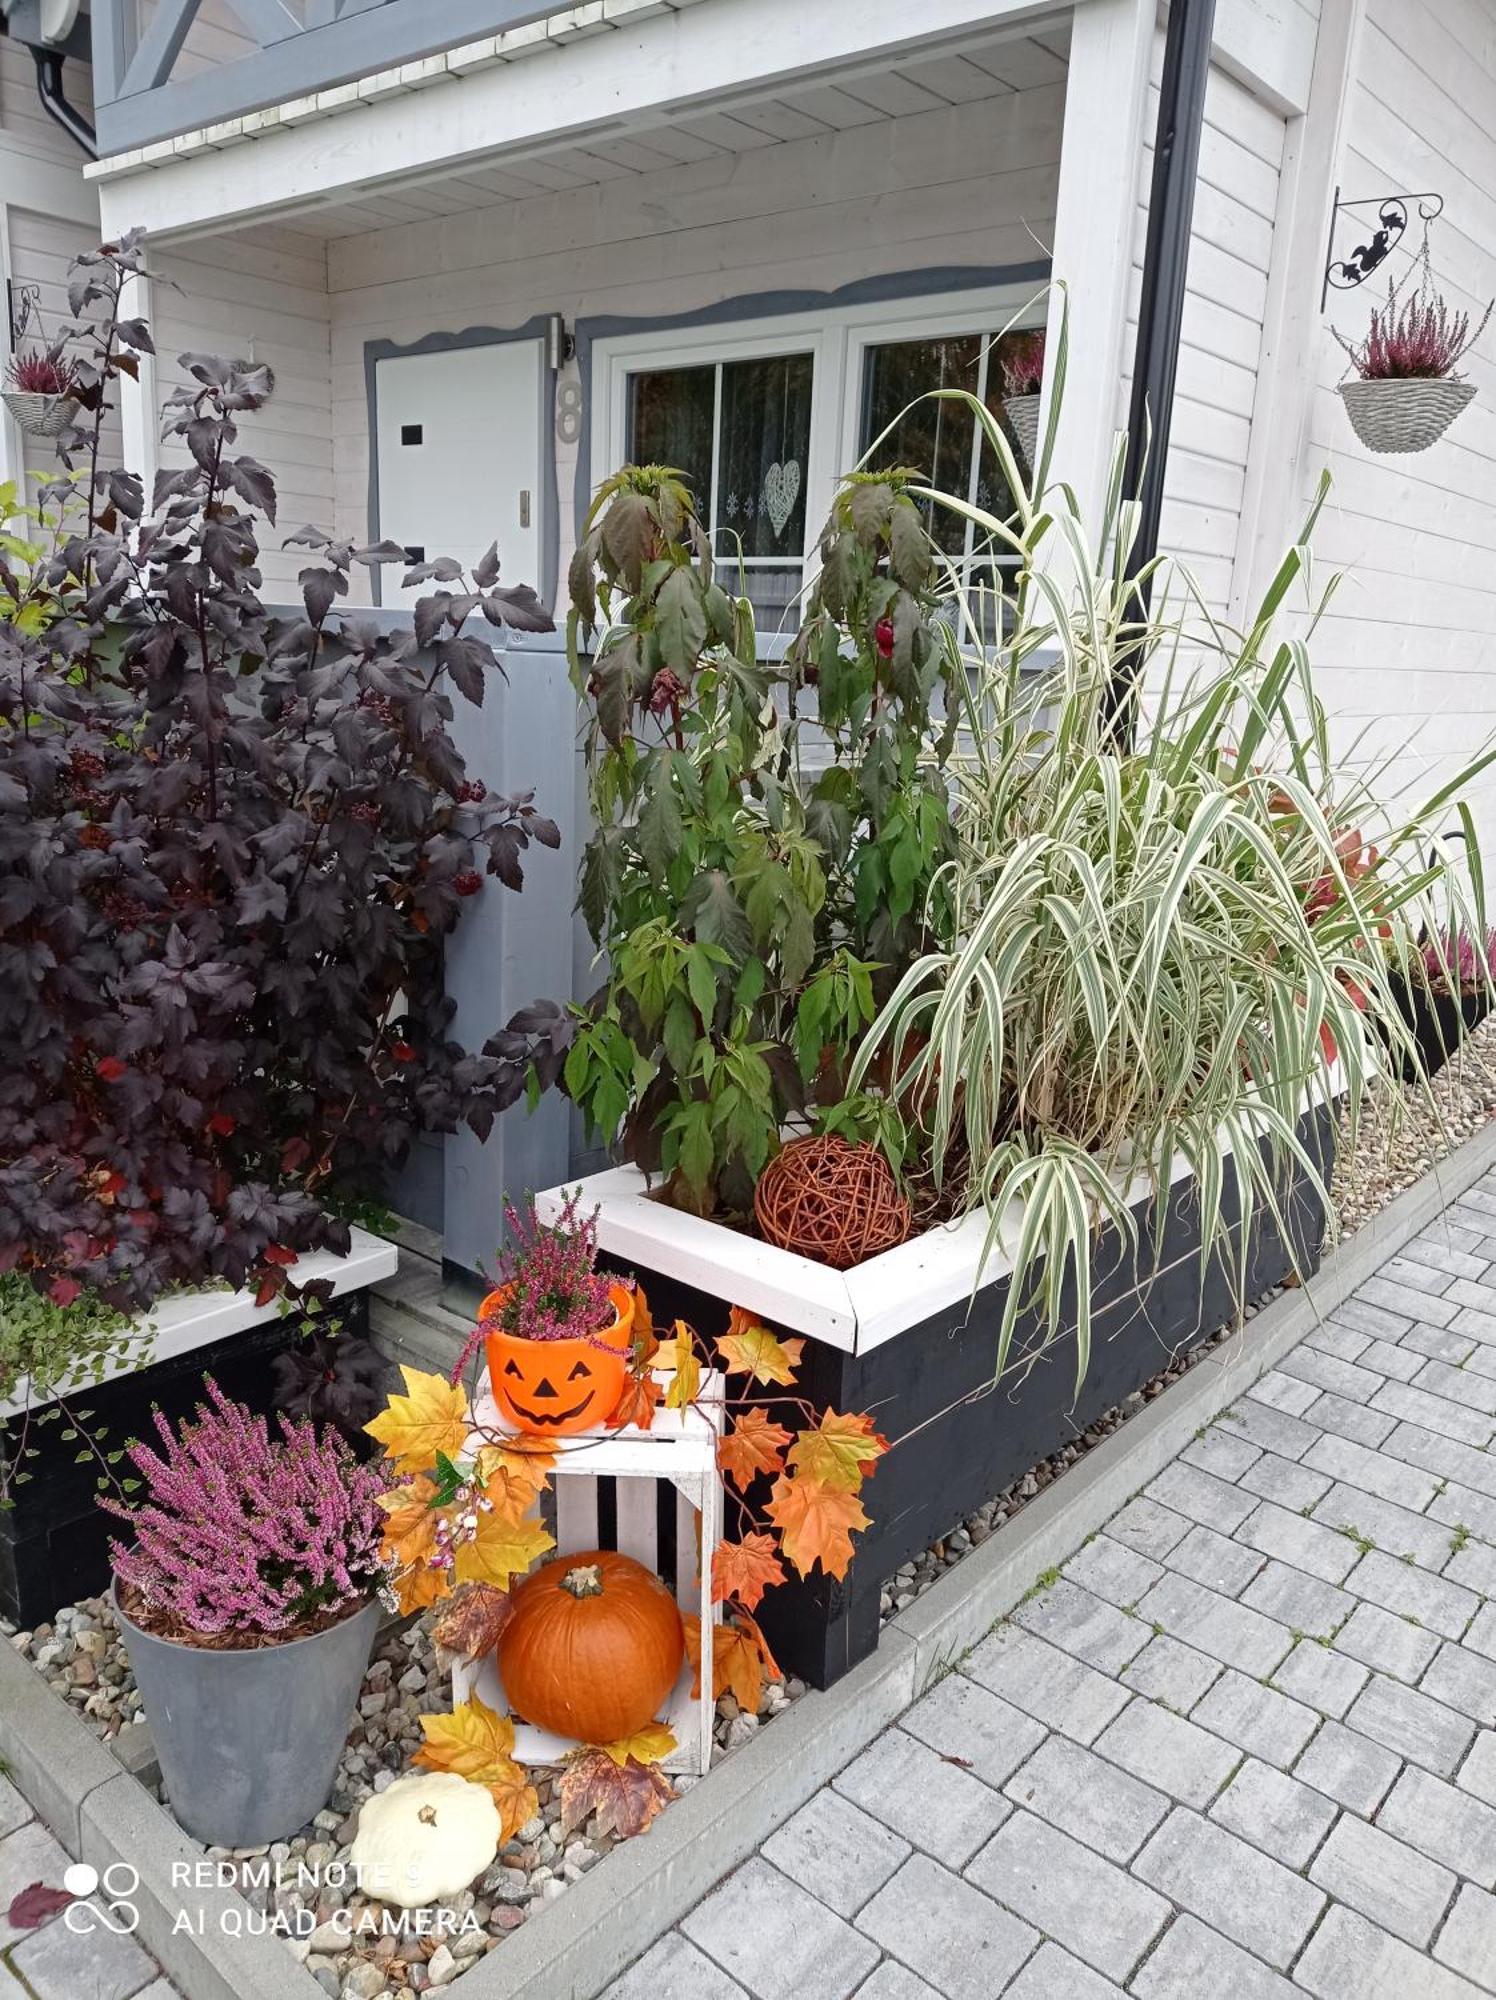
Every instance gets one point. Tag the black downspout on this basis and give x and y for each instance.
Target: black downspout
(1171, 205)
(54, 100)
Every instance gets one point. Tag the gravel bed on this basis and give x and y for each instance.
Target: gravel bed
(82, 1657)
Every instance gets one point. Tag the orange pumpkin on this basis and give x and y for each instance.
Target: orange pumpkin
(554, 1388)
(593, 1648)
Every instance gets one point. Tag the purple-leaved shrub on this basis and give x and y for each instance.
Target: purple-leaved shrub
(242, 1531)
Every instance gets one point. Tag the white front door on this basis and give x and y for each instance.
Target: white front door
(459, 438)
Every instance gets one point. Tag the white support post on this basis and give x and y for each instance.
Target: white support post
(1106, 96)
(1275, 493)
(139, 411)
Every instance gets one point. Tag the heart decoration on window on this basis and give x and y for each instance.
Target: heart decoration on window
(781, 491)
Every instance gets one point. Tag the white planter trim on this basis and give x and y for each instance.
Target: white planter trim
(187, 1320)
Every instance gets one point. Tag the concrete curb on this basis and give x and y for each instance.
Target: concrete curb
(576, 1946)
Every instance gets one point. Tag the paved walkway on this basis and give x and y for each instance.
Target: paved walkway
(1241, 1749)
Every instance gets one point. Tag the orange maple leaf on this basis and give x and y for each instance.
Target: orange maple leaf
(750, 1349)
(513, 1479)
(815, 1523)
(838, 1452)
(740, 1659)
(641, 1395)
(624, 1797)
(755, 1444)
(516, 1800)
(472, 1621)
(745, 1570)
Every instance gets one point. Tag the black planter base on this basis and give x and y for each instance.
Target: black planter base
(1440, 1022)
(958, 1439)
(54, 1541)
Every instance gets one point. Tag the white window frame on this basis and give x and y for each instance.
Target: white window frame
(837, 339)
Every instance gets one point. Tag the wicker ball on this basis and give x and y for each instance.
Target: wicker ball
(832, 1201)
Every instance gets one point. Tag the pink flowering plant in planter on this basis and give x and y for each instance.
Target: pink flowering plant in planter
(1416, 339)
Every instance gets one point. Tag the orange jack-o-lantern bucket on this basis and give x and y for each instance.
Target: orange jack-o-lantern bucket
(554, 1388)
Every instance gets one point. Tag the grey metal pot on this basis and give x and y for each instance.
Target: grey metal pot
(249, 1740)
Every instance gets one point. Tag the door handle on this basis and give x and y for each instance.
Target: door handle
(524, 506)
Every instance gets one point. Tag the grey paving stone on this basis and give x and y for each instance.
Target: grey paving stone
(1480, 1360)
(1442, 1607)
(1400, 1363)
(1460, 1506)
(1421, 1274)
(1070, 1894)
(1382, 1640)
(1291, 1484)
(1385, 1525)
(1253, 1899)
(1478, 1772)
(1359, 1315)
(28, 1855)
(1481, 1637)
(1472, 1564)
(1475, 1323)
(893, 1981)
(1446, 1824)
(1466, 1386)
(931, 1803)
(60, 1964)
(14, 1811)
(1165, 1750)
(776, 1939)
(1356, 1421)
(1085, 1796)
(946, 1931)
(1397, 1888)
(1078, 1623)
(1472, 1292)
(1230, 1632)
(1439, 1343)
(1349, 1767)
(1147, 1527)
(1445, 1457)
(1423, 1731)
(1217, 1451)
(961, 1719)
(1435, 1413)
(1193, 1961)
(674, 1969)
(1463, 1680)
(1326, 1371)
(1215, 1561)
(1305, 1544)
(1468, 1939)
(1112, 1571)
(1274, 1430)
(1447, 1251)
(1046, 1683)
(1276, 1813)
(1323, 1679)
(1257, 1719)
(1405, 1485)
(1330, 1337)
(1285, 1392)
(837, 1851)
(1201, 1496)
(1169, 1671)
(1297, 1600)
(1406, 1302)
(1351, 1959)
(1052, 1974)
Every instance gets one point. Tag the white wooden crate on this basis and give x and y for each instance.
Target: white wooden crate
(621, 1472)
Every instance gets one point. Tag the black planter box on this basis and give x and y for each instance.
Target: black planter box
(54, 1541)
(958, 1440)
(1440, 1022)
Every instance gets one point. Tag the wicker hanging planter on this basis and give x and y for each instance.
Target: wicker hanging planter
(40, 415)
(1023, 420)
(1399, 414)
(832, 1201)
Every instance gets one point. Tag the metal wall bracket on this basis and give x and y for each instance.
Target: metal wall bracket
(1391, 212)
(23, 309)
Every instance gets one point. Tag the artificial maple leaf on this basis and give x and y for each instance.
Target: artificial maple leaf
(838, 1452)
(624, 1797)
(745, 1570)
(685, 1383)
(512, 1477)
(815, 1523)
(750, 1349)
(409, 1541)
(755, 1444)
(650, 1745)
(470, 1624)
(636, 1406)
(35, 1903)
(473, 1740)
(431, 1417)
(645, 1346)
(740, 1659)
(499, 1550)
(516, 1800)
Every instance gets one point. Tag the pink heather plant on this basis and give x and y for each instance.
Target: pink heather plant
(1453, 959)
(554, 1291)
(1419, 340)
(40, 375)
(245, 1532)
(1023, 364)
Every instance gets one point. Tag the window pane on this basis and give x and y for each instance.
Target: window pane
(763, 449)
(670, 423)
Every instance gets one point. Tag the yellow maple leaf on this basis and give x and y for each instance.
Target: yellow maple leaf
(431, 1417)
(512, 1481)
(473, 1740)
(838, 1452)
(680, 1355)
(750, 1349)
(516, 1800)
(651, 1745)
(500, 1550)
(815, 1523)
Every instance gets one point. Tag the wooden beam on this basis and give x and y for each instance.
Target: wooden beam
(159, 47)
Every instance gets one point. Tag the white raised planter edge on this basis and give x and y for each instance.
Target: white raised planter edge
(187, 1320)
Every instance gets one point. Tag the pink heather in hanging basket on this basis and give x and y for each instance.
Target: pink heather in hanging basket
(39, 375)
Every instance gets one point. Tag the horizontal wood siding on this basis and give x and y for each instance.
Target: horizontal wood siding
(41, 249)
(24, 126)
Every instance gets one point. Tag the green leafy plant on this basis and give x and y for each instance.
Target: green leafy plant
(50, 1355)
(766, 835)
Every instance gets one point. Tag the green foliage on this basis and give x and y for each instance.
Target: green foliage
(766, 835)
(48, 1351)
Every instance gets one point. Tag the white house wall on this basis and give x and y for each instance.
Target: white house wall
(972, 184)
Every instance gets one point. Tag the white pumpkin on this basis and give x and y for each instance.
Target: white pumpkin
(428, 1836)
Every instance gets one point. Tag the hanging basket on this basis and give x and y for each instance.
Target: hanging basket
(40, 415)
(1401, 414)
(1023, 420)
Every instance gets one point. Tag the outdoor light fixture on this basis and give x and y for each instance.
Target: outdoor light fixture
(559, 345)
